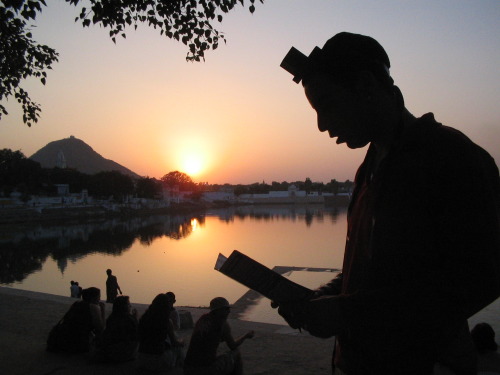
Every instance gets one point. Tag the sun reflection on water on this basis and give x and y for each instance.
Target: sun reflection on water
(179, 255)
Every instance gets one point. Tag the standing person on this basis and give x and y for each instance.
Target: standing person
(159, 347)
(422, 247)
(112, 287)
(209, 331)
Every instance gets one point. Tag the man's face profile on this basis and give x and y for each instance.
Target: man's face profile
(339, 111)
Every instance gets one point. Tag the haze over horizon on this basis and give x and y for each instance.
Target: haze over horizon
(238, 117)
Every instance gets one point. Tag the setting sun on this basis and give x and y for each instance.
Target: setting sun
(189, 154)
(192, 165)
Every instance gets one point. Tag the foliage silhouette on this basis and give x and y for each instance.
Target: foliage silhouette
(148, 188)
(19, 173)
(26, 176)
(188, 21)
(180, 179)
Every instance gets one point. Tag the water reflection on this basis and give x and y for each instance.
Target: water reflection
(159, 253)
(24, 251)
(308, 213)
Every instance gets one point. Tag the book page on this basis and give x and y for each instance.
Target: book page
(221, 259)
(260, 278)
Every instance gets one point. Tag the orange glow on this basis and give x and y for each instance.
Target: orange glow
(193, 165)
(188, 153)
(194, 224)
(147, 269)
(238, 117)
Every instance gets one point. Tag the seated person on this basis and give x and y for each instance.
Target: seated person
(73, 289)
(120, 338)
(483, 336)
(174, 314)
(159, 348)
(80, 325)
(80, 289)
(209, 331)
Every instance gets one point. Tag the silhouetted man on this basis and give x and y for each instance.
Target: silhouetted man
(174, 314)
(422, 247)
(210, 330)
(112, 287)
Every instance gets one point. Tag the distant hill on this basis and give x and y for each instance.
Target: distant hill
(76, 154)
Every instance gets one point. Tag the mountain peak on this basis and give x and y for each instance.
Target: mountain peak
(76, 154)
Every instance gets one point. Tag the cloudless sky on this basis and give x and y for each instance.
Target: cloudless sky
(238, 115)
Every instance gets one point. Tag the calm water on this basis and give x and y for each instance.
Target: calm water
(177, 253)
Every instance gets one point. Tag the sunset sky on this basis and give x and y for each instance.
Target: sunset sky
(238, 117)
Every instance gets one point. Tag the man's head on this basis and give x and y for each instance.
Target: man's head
(220, 306)
(121, 305)
(161, 304)
(91, 295)
(348, 84)
(108, 272)
(483, 337)
(342, 57)
(171, 297)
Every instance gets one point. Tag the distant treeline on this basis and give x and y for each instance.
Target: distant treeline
(307, 185)
(26, 177)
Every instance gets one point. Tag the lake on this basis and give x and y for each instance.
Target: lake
(177, 252)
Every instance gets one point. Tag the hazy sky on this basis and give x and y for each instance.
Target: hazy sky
(142, 105)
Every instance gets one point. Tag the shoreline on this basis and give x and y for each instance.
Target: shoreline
(26, 318)
(96, 213)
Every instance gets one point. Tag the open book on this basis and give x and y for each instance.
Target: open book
(258, 277)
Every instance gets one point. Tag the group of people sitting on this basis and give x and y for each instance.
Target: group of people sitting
(153, 342)
(151, 339)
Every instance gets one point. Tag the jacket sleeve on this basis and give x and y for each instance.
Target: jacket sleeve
(332, 288)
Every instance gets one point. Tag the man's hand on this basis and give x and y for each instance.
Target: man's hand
(320, 316)
(292, 312)
(323, 317)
